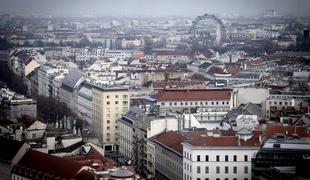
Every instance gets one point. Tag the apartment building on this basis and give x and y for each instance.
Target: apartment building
(212, 155)
(108, 105)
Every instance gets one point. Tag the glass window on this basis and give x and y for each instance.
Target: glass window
(226, 157)
(217, 169)
(235, 169)
(245, 157)
(217, 158)
(207, 169)
(246, 169)
(226, 169)
(235, 158)
(198, 169)
(198, 157)
(207, 158)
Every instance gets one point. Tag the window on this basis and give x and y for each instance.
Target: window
(217, 158)
(198, 169)
(207, 158)
(226, 178)
(108, 121)
(163, 104)
(125, 102)
(235, 158)
(116, 96)
(170, 104)
(198, 178)
(246, 169)
(235, 169)
(226, 158)
(217, 178)
(206, 178)
(108, 96)
(108, 139)
(190, 168)
(207, 169)
(125, 96)
(223, 103)
(217, 169)
(34, 136)
(108, 127)
(217, 103)
(245, 157)
(226, 169)
(108, 102)
(198, 157)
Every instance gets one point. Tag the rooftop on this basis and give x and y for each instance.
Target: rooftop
(49, 165)
(193, 95)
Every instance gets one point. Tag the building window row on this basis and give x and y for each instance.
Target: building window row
(218, 158)
(195, 103)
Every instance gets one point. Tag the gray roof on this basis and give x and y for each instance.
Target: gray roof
(71, 80)
(244, 131)
(252, 109)
(85, 92)
(205, 65)
(248, 109)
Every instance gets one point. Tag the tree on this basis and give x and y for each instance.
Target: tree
(13, 81)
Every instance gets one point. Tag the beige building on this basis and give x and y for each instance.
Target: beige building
(108, 105)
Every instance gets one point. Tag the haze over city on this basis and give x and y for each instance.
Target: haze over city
(153, 8)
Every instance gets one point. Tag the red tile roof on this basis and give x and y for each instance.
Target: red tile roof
(193, 95)
(218, 138)
(214, 141)
(172, 140)
(273, 129)
(41, 163)
(175, 84)
(233, 69)
(94, 160)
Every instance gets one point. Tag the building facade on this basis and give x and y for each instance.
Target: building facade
(108, 105)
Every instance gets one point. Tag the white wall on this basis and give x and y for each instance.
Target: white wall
(212, 152)
(253, 95)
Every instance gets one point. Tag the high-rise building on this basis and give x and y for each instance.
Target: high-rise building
(108, 105)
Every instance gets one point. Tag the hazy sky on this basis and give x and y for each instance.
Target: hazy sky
(153, 7)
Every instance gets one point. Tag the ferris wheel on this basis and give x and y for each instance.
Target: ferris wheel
(207, 31)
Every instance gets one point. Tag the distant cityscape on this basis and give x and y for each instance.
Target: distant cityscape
(208, 97)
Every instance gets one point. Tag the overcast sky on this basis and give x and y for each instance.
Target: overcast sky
(153, 7)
